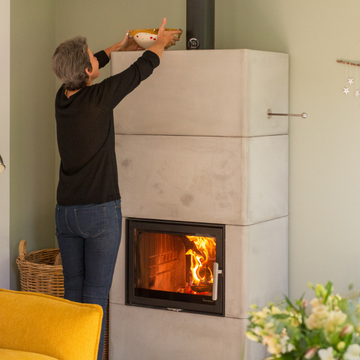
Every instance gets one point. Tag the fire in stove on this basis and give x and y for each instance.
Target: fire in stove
(202, 260)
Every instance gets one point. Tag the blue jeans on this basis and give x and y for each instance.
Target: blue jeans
(89, 239)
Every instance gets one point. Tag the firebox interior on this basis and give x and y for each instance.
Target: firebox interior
(171, 265)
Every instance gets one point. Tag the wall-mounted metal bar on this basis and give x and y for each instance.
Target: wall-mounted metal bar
(270, 114)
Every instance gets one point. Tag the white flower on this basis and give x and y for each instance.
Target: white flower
(326, 354)
(273, 344)
(251, 336)
(264, 313)
(337, 317)
(286, 346)
(319, 315)
(315, 302)
(257, 330)
(275, 310)
(320, 311)
(352, 352)
(314, 321)
(290, 347)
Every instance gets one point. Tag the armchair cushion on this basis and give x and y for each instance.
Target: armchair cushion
(48, 325)
(6, 354)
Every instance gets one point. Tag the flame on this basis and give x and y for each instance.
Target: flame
(206, 251)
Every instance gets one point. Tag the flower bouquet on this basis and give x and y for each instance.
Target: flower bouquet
(327, 329)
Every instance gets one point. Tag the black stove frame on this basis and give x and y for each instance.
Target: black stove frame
(170, 300)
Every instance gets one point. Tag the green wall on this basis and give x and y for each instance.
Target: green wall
(32, 129)
(5, 144)
(104, 25)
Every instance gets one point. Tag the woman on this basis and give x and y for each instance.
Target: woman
(88, 211)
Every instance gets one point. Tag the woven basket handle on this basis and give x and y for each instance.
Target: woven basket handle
(58, 259)
(22, 249)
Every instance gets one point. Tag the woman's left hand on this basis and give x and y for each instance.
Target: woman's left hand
(128, 43)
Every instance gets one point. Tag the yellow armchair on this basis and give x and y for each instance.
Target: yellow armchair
(41, 327)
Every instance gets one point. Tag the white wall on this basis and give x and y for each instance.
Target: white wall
(5, 143)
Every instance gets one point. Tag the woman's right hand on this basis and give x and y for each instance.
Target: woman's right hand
(165, 39)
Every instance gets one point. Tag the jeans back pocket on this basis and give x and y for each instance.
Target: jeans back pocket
(90, 220)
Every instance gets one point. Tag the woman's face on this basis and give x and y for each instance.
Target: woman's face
(95, 73)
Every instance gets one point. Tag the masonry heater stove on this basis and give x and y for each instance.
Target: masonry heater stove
(175, 265)
(208, 155)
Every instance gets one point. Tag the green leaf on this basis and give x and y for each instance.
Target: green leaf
(343, 305)
(299, 302)
(329, 289)
(288, 356)
(303, 345)
(290, 303)
(281, 316)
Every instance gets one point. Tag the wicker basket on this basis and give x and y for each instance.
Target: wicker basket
(38, 272)
(41, 271)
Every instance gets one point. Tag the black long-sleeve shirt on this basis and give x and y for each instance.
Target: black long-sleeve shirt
(86, 137)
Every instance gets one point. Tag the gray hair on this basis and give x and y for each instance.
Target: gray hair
(69, 62)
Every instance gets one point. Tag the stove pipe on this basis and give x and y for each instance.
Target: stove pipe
(200, 24)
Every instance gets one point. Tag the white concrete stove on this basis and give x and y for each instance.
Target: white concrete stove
(194, 144)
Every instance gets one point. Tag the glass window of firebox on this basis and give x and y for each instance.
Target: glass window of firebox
(174, 262)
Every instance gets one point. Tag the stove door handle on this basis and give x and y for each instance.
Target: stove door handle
(216, 273)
